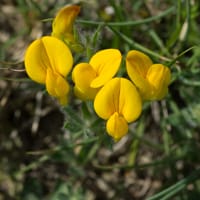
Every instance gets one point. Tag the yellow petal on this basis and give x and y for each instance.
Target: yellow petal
(139, 62)
(118, 95)
(79, 94)
(62, 89)
(36, 61)
(50, 82)
(159, 76)
(106, 64)
(130, 103)
(57, 86)
(63, 100)
(59, 55)
(47, 52)
(82, 75)
(137, 65)
(106, 101)
(117, 126)
(62, 26)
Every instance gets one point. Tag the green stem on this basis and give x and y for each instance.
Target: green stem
(138, 46)
(174, 189)
(129, 23)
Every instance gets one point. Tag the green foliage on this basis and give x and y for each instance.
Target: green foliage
(67, 191)
(162, 147)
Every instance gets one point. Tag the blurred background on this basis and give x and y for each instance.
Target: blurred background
(51, 153)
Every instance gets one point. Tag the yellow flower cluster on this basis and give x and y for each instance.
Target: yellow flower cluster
(118, 100)
(48, 60)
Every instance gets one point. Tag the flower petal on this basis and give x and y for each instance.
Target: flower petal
(57, 86)
(159, 76)
(62, 26)
(106, 102)
(62, 89)
(139, 62)
(130, 103)
(82, 75)
(106, 64)
(36, 61)
(59, 55)
(117, 126)
(47, 52)
(137, 65)
(118, 95)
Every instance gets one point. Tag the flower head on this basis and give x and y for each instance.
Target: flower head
(152, 80)
(63, 24)
(48, 61)
(90, 77)
(118, 102)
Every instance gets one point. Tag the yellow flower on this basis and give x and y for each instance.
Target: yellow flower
(62, 26)
(152, 80)
(90, 77)
(48, 61)
(119, 103)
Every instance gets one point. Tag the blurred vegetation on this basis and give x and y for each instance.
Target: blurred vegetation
(50, 153)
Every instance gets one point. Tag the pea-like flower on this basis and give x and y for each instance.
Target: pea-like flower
(63, 25)
(90, 77)
(152, 80)
(48, 61)
(118, 102)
